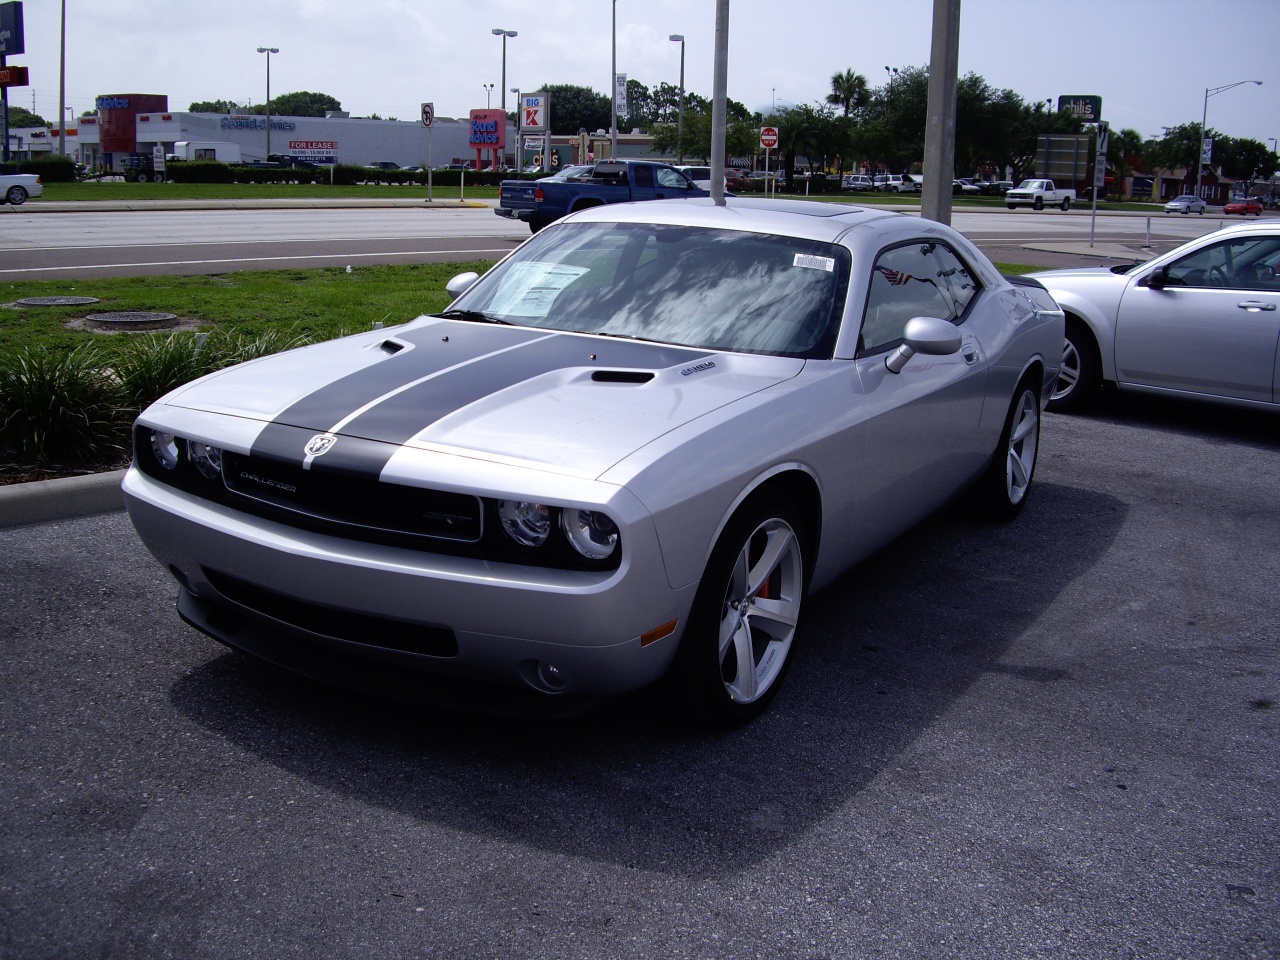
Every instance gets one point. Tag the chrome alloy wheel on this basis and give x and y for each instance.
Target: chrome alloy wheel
(1024, 439)
(1069, 374)
(760, 611)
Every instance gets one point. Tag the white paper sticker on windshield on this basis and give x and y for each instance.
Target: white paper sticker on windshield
(529, 289)
(810, 262)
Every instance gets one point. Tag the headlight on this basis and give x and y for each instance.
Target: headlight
(590, 532)
(528, 524)
(207, 459)
(165, 448)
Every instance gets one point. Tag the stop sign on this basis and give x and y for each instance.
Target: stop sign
(768, 137)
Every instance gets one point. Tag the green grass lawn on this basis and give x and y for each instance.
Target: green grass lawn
(315, 304)
(122, 192)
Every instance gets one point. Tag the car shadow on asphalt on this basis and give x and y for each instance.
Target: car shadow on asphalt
(1258, 428)
(886, 650)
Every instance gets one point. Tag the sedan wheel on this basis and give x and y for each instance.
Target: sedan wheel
(1080, 375)
(16, 196)
(738, 642)
(1007, 483)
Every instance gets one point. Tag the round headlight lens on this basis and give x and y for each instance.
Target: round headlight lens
(165, 448)
(590, 532)
(207, 459)
(528, 524)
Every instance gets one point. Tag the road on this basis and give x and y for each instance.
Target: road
(37, 244)
(1056, 739)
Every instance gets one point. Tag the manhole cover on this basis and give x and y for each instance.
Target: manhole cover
(56, 301)
(131, 320)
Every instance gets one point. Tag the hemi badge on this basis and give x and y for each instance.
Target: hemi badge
(697, 368)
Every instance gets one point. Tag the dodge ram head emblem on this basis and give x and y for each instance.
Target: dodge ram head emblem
(320, 443)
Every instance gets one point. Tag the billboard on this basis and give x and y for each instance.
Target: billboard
(11, 38)
(488, 130)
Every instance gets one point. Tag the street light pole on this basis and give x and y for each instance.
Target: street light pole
(613, 91)
(499, 32)
(680, 122)
(268, 51)
(1204, 118)
(488, 90)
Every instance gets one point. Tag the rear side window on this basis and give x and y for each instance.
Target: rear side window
(922, 279)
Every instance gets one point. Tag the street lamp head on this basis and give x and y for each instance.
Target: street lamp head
(676, 37)
(499, 32)
(268, 50)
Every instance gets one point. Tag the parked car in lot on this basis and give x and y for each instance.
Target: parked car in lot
(16, 188)
(1000, 187)
(601, 466)
(1038, 194)
(1244, 207)
(964, 185)
(856, 181)
(1187, 203)
(893, 183)
(1200, 321)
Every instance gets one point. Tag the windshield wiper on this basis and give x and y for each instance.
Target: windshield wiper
(476, 316)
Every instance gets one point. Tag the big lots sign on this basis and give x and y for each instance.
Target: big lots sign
(488, 130)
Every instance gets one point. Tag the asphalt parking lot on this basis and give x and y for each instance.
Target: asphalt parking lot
(1055, 739)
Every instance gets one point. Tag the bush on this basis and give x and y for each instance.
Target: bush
(154, 364)
(60, 408)
(50, 169)
(198, 171)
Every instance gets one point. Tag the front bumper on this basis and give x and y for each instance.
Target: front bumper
(299, 592)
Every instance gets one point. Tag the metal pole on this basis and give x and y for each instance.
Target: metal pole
(940, 125)
(680, 120)
(1204, 116)
(268, 51)
(62, 84)
(719, 102)
(613, 91)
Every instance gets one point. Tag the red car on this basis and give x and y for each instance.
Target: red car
(1244, 207)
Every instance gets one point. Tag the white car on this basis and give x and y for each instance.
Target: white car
(700, 176)
(625, 453)
(1187, 203)
(1201, 321)
(16, 188)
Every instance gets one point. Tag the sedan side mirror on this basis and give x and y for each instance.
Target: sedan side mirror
(1157, 279)
(459, 284)
(928, 335)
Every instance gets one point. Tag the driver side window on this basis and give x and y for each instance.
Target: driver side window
(906, 282)
(1242, 263)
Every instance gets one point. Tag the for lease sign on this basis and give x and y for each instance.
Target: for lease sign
(315, 151)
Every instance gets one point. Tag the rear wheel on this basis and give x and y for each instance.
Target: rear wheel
(17, 196)
(738, 642)
(1080, 377)
(1066, 203)
(1004, 488)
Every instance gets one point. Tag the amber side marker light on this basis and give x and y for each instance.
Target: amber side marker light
(657, 633)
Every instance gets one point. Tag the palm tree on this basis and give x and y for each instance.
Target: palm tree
(848, 92)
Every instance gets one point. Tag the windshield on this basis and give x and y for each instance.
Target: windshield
(717, 289)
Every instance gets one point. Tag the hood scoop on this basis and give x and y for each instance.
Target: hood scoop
(622, 376)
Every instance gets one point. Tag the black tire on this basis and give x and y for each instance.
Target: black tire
(1080, 380)
(1039, 203)
(760, 556)
(1012, 206)
(536, 224)
(17, 195)
(1066, 204)
(1004, 488)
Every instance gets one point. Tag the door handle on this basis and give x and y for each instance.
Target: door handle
(1255, 305)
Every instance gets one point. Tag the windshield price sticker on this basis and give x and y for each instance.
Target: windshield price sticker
(810, 262)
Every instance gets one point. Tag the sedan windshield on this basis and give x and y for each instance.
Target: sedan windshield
(718, 289)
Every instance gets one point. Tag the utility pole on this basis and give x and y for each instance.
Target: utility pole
(940, 120)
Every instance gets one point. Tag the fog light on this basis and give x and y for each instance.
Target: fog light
(549, 676)
(165, 448)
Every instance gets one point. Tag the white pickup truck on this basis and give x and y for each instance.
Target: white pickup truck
(1039, 194)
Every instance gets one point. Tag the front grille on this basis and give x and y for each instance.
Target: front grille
(355, 501)
(339, 624)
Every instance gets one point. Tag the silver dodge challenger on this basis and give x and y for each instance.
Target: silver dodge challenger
(624, 454)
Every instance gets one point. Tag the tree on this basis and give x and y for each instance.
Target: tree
(302, 104)
(18, 117)
(575, 108)
(1124, 151)
(849, 92)
(215, 106)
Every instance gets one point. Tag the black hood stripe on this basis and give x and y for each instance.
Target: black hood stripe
(448, 377)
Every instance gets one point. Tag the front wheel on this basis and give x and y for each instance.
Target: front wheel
(1080, 376)
(1039, 203)
(1004, 488)
(738, 642)
(16, 196)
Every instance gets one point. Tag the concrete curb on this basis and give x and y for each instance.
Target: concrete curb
(43, 500)
(154, 206)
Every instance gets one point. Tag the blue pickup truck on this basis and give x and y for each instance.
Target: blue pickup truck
(539, 202)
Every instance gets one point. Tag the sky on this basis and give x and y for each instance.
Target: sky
(1150, 61)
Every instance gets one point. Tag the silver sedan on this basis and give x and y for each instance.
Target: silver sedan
(1187, 203)
(1200, 321)
(626, 453)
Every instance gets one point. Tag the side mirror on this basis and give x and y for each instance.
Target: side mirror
(928, 335)
(459, 284)
(1157, 280)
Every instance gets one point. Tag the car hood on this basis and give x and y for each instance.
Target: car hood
(570, 403)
